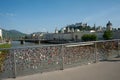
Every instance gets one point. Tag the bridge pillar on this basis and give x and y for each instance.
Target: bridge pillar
(38, 41)
(22, 42)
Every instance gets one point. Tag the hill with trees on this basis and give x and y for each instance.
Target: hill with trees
(12, 34)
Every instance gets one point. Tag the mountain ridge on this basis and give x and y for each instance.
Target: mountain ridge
(12, 34)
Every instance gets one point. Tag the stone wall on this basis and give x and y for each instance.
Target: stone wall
(70, 36)
(116, 34)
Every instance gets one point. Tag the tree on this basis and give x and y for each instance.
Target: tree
(118, 28)
(89, 37)
(0, 38)
(108, 35)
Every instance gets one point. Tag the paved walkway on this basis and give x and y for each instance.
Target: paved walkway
(107, 70)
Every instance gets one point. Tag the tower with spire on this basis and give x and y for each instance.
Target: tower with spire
(56, 30)
(109, 26)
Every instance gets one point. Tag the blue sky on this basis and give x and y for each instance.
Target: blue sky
(45, 15)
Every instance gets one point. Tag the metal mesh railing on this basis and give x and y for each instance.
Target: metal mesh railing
(37, 59)
(107, 49)
(79, 55)
(7, 68)
(29, 60)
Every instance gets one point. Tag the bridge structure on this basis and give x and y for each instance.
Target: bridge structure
(38, 41)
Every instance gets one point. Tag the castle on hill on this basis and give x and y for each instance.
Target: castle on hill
(78, 27)
(74, 32)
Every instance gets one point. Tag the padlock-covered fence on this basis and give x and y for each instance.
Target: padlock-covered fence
(30, 60)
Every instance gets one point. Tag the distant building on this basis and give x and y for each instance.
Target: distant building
(84, 25)
(36, 35)
(56, 30)
(99, 29)
(109, 26)
(78, 24)
(73, 28)
(1, 33)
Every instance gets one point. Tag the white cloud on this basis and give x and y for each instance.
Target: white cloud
(10, 14)
(7, 14)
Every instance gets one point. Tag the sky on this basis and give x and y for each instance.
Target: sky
(30, 16)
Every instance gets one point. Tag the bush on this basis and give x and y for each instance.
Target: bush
(3, 54)
(89, 37)
(108, 35)
(5, 45)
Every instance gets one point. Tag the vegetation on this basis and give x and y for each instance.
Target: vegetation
(5, 45)
(12, 34)
(108, 35)
(89, 37)
(3, 54)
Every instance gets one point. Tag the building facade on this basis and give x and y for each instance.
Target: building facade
(0, 33)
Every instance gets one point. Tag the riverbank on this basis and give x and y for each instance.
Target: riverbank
(37, 41)
(5, 45)
(56, 41)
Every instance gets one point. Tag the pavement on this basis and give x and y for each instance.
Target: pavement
(106, 70)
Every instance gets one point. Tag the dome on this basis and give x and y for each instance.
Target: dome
(109, 23)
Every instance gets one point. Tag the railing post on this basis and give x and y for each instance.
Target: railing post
(14, 65)
(95, 51)
(22, 42)
(61, 58)
(118, 49)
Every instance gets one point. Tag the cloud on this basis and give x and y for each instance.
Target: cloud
(10, 14)
(7, 14)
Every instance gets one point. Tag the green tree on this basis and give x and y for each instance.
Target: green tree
(108, 35)
(118, 28)
(89, 37)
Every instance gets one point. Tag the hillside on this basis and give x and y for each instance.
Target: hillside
(12, 34)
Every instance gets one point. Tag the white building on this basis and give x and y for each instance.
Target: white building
(0, 33)
(56, 30)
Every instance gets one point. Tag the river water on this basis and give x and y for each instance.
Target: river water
(17, 44)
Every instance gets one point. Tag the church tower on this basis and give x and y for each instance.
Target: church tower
(56, 30)
(109, 26)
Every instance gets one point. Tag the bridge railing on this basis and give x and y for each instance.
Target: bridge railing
(29, 60)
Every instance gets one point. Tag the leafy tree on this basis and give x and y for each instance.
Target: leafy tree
(118, 28)
(89, 37)
(108, 35)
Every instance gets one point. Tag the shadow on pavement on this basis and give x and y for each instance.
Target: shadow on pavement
(113, 60)
(116, 59)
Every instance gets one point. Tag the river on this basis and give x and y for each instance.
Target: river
(17, 44)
